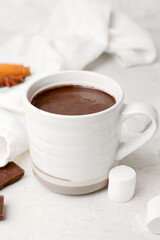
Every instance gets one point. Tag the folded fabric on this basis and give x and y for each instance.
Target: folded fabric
(67, 35)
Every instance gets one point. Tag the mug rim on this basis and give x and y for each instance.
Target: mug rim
(28, 103)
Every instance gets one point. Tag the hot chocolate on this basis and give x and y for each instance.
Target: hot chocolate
(73, 100)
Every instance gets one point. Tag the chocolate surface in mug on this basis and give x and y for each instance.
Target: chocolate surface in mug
(73, 100)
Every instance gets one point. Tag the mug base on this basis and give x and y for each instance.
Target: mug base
(68, 187)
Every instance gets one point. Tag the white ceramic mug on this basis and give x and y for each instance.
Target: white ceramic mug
(82, 147)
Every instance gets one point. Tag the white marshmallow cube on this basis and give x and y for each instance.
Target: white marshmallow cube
(153, 215)
(122, 181)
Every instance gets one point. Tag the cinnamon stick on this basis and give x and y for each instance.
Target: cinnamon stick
(12, 74)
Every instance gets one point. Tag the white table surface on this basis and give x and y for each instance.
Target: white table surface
(32, 212)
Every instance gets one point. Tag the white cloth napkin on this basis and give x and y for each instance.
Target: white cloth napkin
(59, 35)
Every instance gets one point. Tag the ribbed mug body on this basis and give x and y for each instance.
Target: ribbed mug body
(75, 148)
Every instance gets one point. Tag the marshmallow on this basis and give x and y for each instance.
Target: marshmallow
(122, 181)
(153, 215)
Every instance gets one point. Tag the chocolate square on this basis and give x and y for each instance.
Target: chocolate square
(9, 174)
(1, 207)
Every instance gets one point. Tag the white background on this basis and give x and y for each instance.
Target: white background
(145, 12)
(33, 212)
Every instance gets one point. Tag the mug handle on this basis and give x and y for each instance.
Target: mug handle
(130, 110)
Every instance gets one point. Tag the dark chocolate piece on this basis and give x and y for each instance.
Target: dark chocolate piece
(9, 174)
(1, 207)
